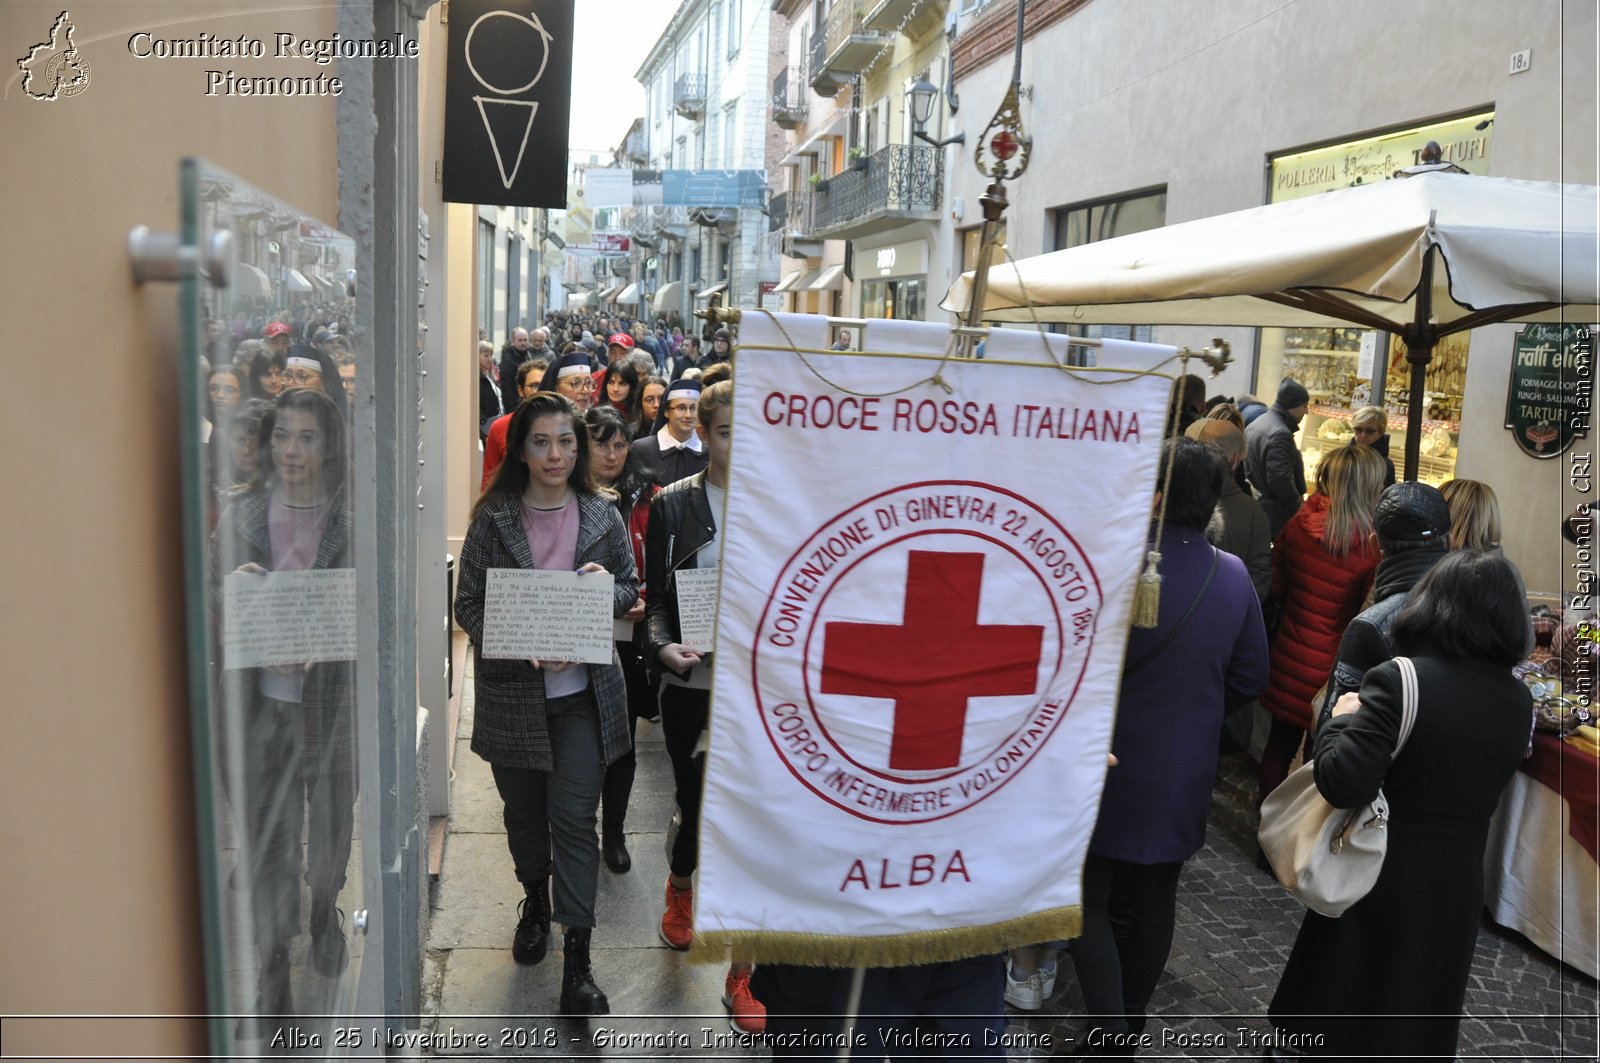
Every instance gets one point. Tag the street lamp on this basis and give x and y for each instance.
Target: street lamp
(922, 96)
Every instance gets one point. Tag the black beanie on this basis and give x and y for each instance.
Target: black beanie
(1292, 393)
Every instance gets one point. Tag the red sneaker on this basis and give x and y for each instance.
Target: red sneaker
(677, 922)
(747, 1014)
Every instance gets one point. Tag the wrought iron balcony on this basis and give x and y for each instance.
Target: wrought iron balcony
(689, 95)
(792, 223)
(843, 46)
(800, 226)
(788, 99)
(894, 185)
(634, 152)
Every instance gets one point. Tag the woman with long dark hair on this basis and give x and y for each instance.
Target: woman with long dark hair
(651, 390)
(265, 374)
(616, 467)
(619, 389)
(548, 729)
(1389, 977)
(298, 719)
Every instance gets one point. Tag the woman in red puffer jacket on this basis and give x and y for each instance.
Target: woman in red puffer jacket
(1322, 567)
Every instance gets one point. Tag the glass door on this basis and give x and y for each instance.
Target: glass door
(270, 372)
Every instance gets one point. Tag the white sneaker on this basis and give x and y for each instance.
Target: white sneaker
(1047, 978)
(1026, 995)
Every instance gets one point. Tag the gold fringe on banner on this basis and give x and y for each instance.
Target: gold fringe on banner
(891, 950)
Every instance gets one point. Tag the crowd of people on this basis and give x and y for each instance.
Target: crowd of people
(1281, 597)
(642, 421)
(606, 446)
(247, 362)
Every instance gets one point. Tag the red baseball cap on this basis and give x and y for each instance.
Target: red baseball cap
(619, 339)
(277, 328)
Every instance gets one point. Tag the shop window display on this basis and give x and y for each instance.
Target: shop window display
(1341, 369)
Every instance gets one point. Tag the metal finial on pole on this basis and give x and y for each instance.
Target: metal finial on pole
(1001, 155)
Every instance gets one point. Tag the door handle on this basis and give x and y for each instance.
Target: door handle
(162, 257)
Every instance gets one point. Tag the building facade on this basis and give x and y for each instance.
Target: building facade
(706, 82)
(1147, 115)
(861, 211)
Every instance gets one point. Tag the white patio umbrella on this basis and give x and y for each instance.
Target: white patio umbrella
(1510, 251)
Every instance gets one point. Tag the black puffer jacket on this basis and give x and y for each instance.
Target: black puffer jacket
(1366, 643)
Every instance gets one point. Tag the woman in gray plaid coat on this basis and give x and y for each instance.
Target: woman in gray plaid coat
(294, 723)
(549, 728)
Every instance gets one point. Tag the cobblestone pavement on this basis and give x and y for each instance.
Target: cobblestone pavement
(1235, 927)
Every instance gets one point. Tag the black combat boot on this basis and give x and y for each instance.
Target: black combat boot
(614, 847)
(579, 994)
(533, 924)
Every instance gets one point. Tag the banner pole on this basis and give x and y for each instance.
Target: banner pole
(852, 1009)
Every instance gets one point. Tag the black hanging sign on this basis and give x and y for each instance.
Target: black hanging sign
(508, 100)
(1552, 388)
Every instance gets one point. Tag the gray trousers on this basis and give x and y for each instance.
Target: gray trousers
(553, 813)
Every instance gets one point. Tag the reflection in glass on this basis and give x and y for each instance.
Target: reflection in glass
(275, 368)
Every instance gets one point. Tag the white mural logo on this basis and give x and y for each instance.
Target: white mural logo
(55, 69)
(504, 108)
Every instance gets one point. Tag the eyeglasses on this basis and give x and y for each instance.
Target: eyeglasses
(581, 384)
(302, 376)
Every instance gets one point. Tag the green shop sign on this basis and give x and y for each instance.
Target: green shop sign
(1552, 387)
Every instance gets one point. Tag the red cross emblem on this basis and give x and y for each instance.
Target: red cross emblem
(924, 554)
(934, 661)
(1004, 145)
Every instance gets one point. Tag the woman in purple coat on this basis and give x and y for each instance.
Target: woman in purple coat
(1207, 653)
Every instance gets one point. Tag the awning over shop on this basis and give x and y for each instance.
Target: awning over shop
(796, 281)
(667, 297)
(715, 289)
(830, 279)
(252, 282)
(630, 294)
(606, 294)
(296, 281)
(584, 299)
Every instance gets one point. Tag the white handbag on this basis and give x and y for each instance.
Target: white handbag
(1330, 857)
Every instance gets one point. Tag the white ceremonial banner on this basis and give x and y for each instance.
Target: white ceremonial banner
(924, 607)
(548, 615)
(296, 617)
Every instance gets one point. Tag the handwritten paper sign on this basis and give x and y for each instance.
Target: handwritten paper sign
(697, 608)
(1368, 355)
(548, 615)
(288, 617)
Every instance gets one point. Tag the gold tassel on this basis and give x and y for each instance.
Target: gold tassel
(895, 950)
(1147, 594)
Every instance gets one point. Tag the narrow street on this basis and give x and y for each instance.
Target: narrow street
(1234, 931)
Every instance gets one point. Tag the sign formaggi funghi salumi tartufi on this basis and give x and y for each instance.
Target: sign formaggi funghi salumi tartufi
(1552, 387)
